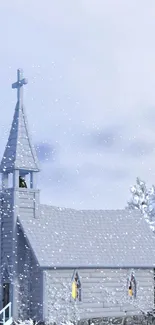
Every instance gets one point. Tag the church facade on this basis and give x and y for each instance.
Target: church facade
(60, 263)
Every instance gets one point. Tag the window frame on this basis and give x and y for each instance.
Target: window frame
(133, 282)
(78, 284)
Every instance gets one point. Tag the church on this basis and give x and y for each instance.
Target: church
(62, 264)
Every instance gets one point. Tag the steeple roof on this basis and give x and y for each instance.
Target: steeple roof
(19, 152)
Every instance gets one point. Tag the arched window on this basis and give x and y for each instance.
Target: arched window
(76, 286)
(132, 286)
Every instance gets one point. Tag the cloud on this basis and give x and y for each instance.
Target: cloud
(106, 137)
(45, 152)
(140, 148)
(108, 173)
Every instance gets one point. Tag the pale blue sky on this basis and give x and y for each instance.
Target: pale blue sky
(90, 99)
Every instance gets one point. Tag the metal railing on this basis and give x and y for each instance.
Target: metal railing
(5, 315)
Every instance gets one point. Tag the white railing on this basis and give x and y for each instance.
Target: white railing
(6, 319)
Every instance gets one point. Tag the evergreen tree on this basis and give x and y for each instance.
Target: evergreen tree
(139, 194)
(143, 199)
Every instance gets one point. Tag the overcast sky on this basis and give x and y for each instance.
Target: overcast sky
(90, 100)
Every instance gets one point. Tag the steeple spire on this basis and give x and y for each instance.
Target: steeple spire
(19, 152)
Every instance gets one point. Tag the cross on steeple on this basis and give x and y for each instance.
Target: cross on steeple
(19, 86)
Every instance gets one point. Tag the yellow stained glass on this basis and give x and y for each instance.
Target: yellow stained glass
(74, 290)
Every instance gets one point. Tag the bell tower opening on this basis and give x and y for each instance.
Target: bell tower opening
(27, 180)
(7, 180)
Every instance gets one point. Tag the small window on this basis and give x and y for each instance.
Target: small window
(76, 287)
(132, 286)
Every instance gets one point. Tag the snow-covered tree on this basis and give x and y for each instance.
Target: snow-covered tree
(151, 200)
(143, 199)
(139, 194)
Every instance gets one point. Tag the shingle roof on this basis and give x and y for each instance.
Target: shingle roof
(72, 238)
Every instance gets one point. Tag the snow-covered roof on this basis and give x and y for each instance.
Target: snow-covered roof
(68, 238)
(19, 152)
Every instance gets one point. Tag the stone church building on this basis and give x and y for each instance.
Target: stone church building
(60, 263)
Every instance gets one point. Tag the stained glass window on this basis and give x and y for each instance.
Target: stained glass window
(76, 287)
(132, 286)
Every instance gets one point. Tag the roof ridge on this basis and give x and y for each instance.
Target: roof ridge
(89, 210)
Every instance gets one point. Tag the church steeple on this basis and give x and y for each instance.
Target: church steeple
(21, 197)
(19, 153)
